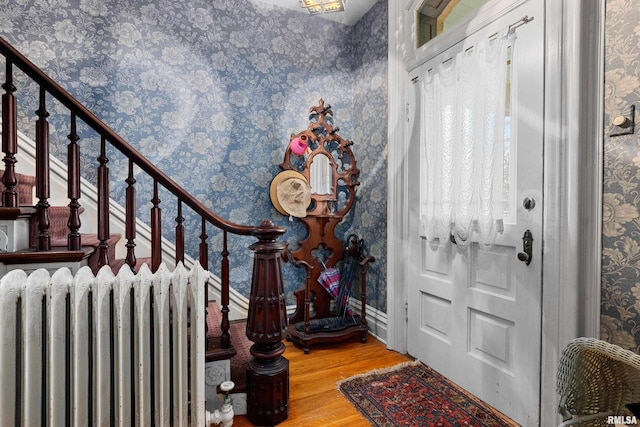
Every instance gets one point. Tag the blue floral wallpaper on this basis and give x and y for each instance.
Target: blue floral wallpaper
(210, 91)
(620, 295)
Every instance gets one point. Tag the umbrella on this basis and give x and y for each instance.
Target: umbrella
(330, 279)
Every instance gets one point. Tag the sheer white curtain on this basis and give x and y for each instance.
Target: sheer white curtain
(462, 139)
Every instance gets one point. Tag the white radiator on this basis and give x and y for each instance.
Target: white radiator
(105, 350)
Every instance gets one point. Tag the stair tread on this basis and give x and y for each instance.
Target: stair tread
(56, 254)
(15, 213)
(216, 352)
(88, 239)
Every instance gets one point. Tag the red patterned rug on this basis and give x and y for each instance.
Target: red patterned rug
(412, 394)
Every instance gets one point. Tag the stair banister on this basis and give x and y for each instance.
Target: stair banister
(269, 370)
(118, 142)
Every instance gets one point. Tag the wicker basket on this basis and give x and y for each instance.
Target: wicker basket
(596, 379)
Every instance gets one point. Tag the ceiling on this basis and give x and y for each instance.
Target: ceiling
(354, 9)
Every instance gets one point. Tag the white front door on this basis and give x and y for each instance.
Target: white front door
(474, 314)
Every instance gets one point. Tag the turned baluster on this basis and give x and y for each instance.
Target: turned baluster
(43, 241)
(74, 241)
(179, 234)
(203, 249)
(225, 339)
(9, 140)
(130, 218)
(103, 205)
(203, 255)
(156, 229)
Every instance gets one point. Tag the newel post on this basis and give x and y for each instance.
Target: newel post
(268, 371)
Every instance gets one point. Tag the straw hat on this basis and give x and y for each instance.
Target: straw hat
(290, 193)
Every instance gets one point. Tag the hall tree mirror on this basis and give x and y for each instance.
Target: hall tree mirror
(321, 175)
(434, 17)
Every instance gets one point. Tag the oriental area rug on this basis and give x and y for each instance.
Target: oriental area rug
(412, 394)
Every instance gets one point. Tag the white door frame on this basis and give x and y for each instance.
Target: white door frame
(573, 143)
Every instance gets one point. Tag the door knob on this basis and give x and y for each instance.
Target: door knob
(529, 203)
(527, 248)
(524, 257)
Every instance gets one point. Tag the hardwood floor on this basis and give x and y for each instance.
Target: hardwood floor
(313, 397)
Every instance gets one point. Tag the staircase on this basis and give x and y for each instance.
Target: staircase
(17, 251)
(34, 234)
(220, 365)
(18, 237)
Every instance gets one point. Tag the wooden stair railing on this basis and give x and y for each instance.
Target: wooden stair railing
(267, 379)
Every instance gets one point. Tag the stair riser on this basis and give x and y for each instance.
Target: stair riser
(14, 235)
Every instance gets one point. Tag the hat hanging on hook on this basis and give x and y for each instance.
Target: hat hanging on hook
(290, 193)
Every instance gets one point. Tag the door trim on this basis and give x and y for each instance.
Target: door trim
(397, 179)
(573, 137)
(573, 192)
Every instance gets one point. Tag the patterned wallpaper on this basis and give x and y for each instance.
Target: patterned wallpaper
(210, 91)
(620, 306)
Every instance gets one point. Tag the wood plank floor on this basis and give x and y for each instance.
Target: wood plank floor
(313, 397)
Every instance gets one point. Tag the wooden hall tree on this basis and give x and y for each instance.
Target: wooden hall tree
(326, 162)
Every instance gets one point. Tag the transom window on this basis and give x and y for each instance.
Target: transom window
(435, 16)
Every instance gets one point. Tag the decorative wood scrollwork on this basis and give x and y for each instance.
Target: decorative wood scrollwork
(324, 140)
(327, 208)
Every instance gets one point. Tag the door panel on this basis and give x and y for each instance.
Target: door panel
(474, 313)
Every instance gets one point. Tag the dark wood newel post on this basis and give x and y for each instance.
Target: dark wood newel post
(268, 371)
